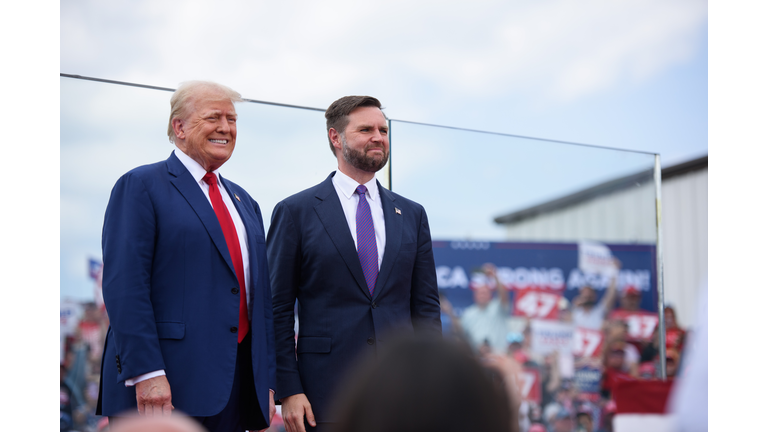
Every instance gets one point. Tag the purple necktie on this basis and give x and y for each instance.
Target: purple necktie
(366, 240)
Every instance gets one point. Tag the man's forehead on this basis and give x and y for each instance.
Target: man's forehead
(214, 104)
(204, 98)
(366, 114)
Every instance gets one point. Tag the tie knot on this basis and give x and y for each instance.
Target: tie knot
(210, 178)
(361, 190)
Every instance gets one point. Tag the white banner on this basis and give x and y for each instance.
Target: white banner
(548, 336)
(596, 257)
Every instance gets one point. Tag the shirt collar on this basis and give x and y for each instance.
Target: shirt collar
(347, 185)
(193, 167)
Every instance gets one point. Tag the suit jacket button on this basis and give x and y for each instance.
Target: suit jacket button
(235, 290)
(233, 329)
(370, 341)
(373, 305)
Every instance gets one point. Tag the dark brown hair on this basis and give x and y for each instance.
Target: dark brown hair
(422, 385)
(337, 115)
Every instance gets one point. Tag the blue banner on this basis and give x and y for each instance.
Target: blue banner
(587, 379)
(544, 265)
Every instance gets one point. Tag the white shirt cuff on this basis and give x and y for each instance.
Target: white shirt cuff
(135, 380)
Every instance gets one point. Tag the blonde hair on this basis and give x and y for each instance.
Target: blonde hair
(184, 96)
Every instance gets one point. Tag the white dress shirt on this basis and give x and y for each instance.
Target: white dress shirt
(345, 188)
(198, 172)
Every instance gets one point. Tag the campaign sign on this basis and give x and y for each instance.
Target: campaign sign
(587, 379)
(539, 267)
(596, 258)
(536, 304)
(529, 380)
(640, 324)
(549, 336)
(587, 342)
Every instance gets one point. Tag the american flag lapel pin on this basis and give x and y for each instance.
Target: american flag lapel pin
(237, 197)
(397, 210)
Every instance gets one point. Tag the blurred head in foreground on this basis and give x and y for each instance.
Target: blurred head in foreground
(174, 423)
(423, 385)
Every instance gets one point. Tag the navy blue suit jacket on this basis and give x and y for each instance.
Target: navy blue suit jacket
(313, 260)
(170, 291)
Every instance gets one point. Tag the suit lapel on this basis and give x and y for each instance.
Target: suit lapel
(394, 228)
(332, 217)
(182, 180)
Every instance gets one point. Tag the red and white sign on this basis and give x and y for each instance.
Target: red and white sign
(596, 257)
(587, 342)
(536, 304)
(529, 381)
(641, 324)
(641, 406)
(548, 336)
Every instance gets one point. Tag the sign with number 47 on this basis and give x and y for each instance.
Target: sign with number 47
(536, 304)
(587, 342)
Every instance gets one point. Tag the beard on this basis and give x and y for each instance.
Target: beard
(360, 159)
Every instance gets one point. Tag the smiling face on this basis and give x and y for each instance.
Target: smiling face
(363, 147)
(207, 130)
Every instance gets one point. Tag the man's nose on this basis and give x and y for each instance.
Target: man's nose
(223, 125)
(378, 136)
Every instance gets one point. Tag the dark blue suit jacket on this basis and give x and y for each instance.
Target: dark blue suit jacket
(169, 288)
(312, 258)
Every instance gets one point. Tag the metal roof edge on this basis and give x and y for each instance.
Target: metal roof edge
(603, 189)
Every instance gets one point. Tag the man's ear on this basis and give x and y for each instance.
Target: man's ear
(335, 138)
(178, 128)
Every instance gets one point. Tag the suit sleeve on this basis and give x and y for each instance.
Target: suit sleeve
(425, 301)
(128, 244)
(284, 255)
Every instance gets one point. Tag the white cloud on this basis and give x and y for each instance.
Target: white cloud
(310, 52)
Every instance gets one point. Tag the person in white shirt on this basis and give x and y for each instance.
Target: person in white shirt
(485, 322)
(588, 312)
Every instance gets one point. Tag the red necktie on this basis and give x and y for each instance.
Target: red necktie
(233, 244)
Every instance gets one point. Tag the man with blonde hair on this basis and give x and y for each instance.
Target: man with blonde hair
(185, 281)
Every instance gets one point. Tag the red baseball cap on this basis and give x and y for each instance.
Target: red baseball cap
(631, 290)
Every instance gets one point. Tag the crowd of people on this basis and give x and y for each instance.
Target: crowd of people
(560, 403)
(582, 401)
(80, 366)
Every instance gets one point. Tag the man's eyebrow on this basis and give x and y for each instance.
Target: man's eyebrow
(220, 112)
(370, 126)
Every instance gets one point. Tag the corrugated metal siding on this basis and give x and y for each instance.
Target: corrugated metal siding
(626, 216)
(629, 216)
(684, 224)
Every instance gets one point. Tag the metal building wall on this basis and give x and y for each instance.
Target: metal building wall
(628, 216)
(625, 216)
(684, 224)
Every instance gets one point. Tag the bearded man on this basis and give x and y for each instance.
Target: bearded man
(357, 257)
